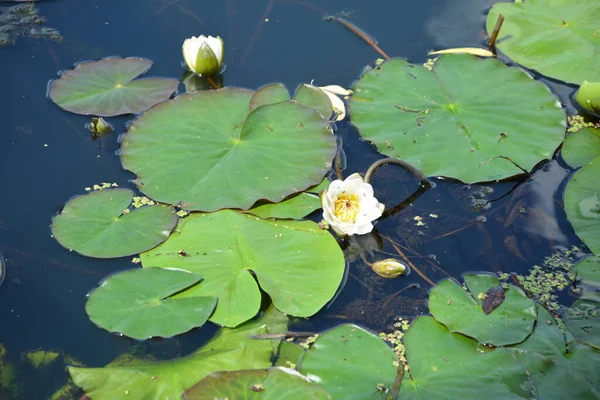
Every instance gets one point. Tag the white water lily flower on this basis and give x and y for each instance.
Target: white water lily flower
(334, 92)
(349, 206)
(203, 55)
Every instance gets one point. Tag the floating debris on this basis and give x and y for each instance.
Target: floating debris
(23, 20)
(2, 268)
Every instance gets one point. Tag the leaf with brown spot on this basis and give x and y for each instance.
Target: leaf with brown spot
(493, 298)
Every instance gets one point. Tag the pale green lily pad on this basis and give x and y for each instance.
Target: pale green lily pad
(274, 384)
(451, 366)
(350, 363)
(582, 204)
(108, 87)
(556, 373)
(581, 147)
(97, 225)
(269, 94)
(558, 38)
(204, 150)
(290, 355)
(583, 321)
(298, 264)
(454, 120)
(461, 311)
(138, 303)
(230, 350)
(314, 97)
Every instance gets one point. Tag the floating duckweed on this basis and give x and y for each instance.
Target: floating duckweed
(182, 213)
(309, 341)
(23, 20)
(40, 358)
(430, 63)
(136, 260)
(140, 201)
(101, 186)
(395, 337)
(577, 123)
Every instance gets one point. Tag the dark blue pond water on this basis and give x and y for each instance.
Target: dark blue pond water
(47, 156)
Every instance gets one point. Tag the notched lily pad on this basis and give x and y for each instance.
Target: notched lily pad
(100, 225)
(581, 147)
(138, 303)
(462, 312)
(274, 384)
(469, 118)
(298, 264)
(108, 87)
(269, 94)
(204, 150)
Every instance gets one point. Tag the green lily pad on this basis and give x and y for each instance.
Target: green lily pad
(269, 94)
(555, 373)
(582, 204)
(229, 350)
(299, 265)
(138, 303)
(581, 147)
(461, 311)
(314, 97)
(108, 87)
(204, 150)
(350, 363)
(558, 38)
(588, 274)
(276, 383)
(296, 207)
(97, 225)
(453, 121)
(290, 355)
(451, 366)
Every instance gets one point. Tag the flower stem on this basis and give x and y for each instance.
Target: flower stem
(418, 174)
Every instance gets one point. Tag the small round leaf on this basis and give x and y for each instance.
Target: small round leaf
(107, 87)
(100, 225)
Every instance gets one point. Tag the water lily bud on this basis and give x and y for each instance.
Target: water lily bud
(389, 268)
(203, 55)
(349, 206)
(588, 96)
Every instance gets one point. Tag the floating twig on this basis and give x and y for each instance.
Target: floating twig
(494, 36)
(410, 264)
(271, 336)
(256, 32)
(507, 159)
(360, 33)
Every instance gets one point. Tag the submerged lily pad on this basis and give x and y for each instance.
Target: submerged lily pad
(204, 150)
(350, 363)
(588, 276)
(299, 265)
(229, 350)
(274, 384)
(100, 225)
(107, 87)
(462, 312)
(581, 147)
(138, 303)
(583, 321)
(453, 121)
(558, 38)
(448, 366)
(582, 204)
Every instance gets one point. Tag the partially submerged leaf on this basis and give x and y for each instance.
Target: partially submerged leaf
(494, 297)
(273, 384)
(581, 147)
(229, 350)
(476, 51)
(138, 303)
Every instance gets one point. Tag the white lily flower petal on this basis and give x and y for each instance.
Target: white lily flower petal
(336, 89)
(337, 104)
(349, 206)
(203, 55)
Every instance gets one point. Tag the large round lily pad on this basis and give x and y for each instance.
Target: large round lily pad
(351, 363)
(204, 150)
(299, 265)
(511, 322)
(229, 350)
(558, 38)
(449, 366)
(100, 225)
(582, 204)
(453, 121)
(137, 303)
(274, 384)
(107, 87)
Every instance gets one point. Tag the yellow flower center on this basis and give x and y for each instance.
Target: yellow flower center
(346, 207)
